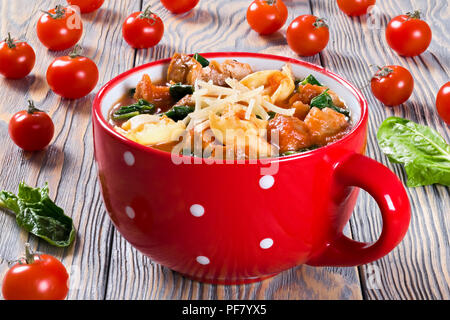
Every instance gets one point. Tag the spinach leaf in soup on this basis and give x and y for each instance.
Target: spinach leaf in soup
(423, 152)
(127, 112)
(271, 115)
(179, 91)
(202, 60)
(179, 112)
(131, 92)
(38, 214)
(324, 100)
(309, 79)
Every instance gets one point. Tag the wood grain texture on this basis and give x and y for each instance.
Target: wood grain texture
(68, 163)
(419, 267)
(104, 266)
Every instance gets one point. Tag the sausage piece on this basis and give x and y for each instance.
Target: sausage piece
(325, 124)
(293, 134)
(157, 95)
(185, 69)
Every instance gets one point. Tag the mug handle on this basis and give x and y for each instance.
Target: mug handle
(387, 190)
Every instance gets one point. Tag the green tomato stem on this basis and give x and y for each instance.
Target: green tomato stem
(76, 52)
(414, 15)
(320, 22)
(10, 41)
(31, 108)
(29, 254)
(60, 11)
(148, 14)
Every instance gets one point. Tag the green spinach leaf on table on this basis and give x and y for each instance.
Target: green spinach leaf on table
(423, 152)
(39, 215)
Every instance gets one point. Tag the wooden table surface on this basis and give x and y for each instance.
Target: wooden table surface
(104, 266)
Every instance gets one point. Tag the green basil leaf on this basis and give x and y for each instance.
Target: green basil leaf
(39, 215)
(179, 112)
(423, 152)
(203, 61)
(179, 91)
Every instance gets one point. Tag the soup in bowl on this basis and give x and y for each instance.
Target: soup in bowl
(225, 110)
(270, 187)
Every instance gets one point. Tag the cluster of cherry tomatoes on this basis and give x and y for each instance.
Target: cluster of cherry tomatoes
(73, 76)
(308, 35)
(40, 276)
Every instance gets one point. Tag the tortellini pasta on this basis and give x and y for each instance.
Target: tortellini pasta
(152, 129)
(278, 85)
(247, 137)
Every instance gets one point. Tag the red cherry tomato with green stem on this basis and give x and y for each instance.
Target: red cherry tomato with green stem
(392, 85)
(60, 28)
(307, 35)
(179, 6)
(72, 76)
(32, 129)
(36, 277)
(408, 35)
(86, 6)
(143, 29)
(17, 58)
(355, 7)
(443, 102)
(267, 16)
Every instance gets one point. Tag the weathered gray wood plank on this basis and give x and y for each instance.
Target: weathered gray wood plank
(418, 268)
(68, 163)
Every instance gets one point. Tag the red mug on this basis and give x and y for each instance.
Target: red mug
(234, 223)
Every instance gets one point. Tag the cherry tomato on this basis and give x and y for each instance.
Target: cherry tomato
(17, 58)
(307, 35)
(443, 102)
(267, 16)
(179, 6)
(143, 29)
(355, 7)
(392, 85)
(31, 129)
(408, 35)
(72, 76)
(60, 28)
(86, 6)
(36, 277)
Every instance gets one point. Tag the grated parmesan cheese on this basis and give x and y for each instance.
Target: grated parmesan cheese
(212, 99)
(249, 111)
